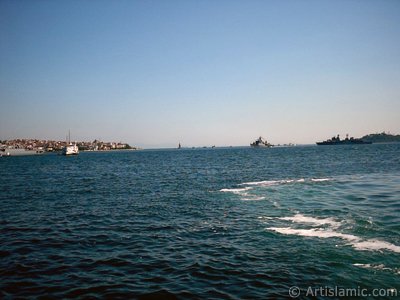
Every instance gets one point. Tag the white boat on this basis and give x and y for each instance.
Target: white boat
(260, 142)
(70, 149)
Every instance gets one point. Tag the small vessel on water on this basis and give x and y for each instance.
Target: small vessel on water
(260, 142)
(179, 146)
(70, 149)
(347, 141)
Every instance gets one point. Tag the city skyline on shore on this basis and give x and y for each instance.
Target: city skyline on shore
(153, 74)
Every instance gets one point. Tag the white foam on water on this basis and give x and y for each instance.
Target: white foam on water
(314, 232)
(370, 266)
(320, 179)
(240, 191)
(276, 204)
(243, 192)
(380, 267)
(273, 182)
(253, 198)
(284, 181)
(262, 183)
(265, 183)
(265, 218)
(299, 218)
(376, 245)
(355, 241)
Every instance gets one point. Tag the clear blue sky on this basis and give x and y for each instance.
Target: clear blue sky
(155, 73)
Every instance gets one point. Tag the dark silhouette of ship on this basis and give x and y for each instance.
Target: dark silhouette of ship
(260, 142)
(347, 141)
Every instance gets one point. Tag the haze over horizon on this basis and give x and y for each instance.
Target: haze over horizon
(155, 73)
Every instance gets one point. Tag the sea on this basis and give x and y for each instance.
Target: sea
(304, 222)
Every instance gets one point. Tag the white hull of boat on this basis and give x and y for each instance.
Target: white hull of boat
(70, 150)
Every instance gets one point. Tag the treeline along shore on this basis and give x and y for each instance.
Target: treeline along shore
(381, 138)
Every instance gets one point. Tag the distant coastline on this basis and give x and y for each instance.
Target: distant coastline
(56, 146)
(374, 138)
(97, 145)
(381, 138)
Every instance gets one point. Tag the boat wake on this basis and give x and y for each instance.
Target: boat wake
(299, 218)
(380, 267)
(273, 182)
(236, 191)
(329, 228)
(303, 225)
(248, 191)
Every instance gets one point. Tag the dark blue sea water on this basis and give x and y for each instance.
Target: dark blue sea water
(235, 223)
